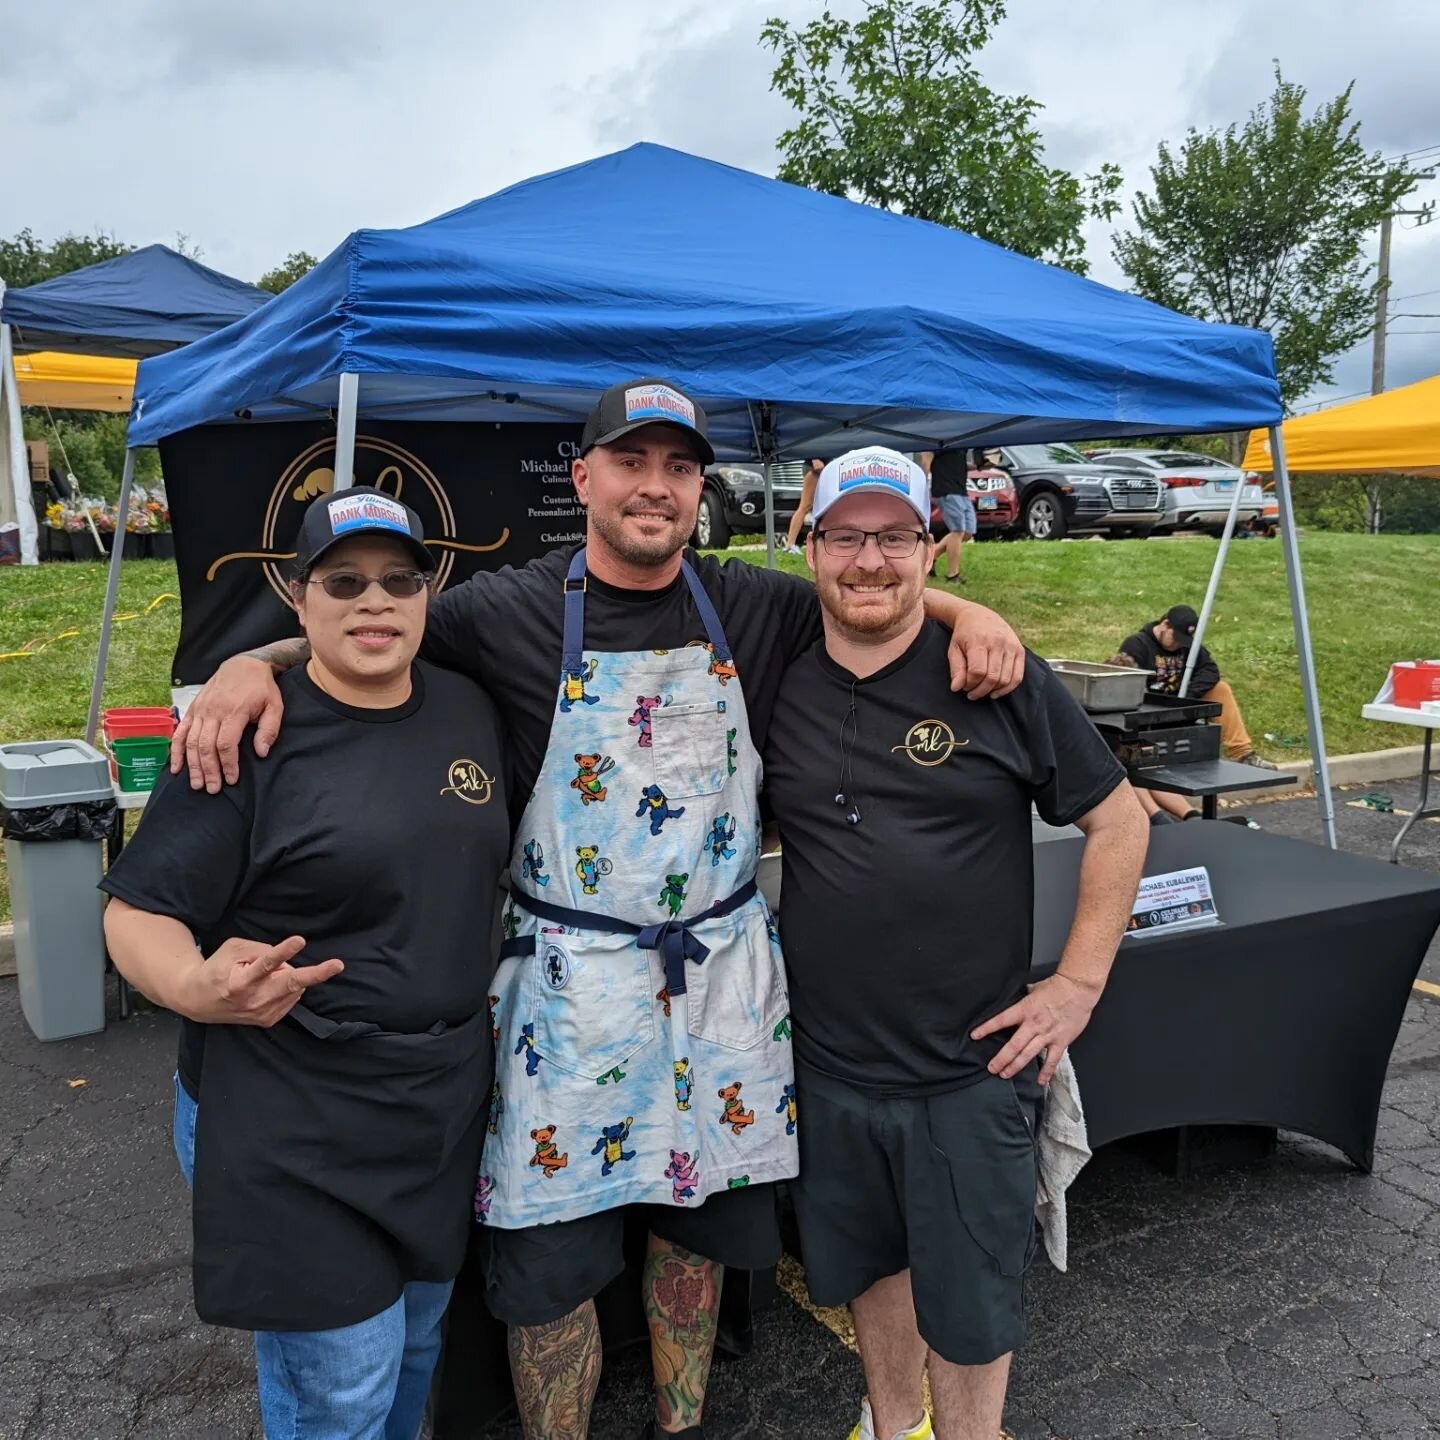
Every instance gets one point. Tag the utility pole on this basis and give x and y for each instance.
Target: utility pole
(1382, 308)
(1382, 305)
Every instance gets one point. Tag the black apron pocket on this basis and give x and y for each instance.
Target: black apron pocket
(593, 1003)
(984, 1137)
(689, 747)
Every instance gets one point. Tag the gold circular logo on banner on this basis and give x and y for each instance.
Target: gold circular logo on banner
(310, 474)
(929, 742)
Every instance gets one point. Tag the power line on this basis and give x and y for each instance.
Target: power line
(1415, 332)
(1414, 295)
(1411, 154)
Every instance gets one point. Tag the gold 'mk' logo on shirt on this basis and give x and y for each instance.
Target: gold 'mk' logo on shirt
(929, 742)
(469, 781)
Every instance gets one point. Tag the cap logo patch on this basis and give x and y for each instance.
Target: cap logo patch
(873, 470)
(658, 402)
(367, 512)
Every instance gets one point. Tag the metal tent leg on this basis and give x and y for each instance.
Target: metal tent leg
(112, 588)
(345, 422)
(1304, 652)
(1215, 572)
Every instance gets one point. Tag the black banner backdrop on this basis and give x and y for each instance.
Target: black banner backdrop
(488, 495)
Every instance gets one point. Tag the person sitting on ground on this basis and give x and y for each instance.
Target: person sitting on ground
(1164, 646)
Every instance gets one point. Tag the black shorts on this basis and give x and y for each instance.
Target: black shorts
(541, 1273)
(943, 1185)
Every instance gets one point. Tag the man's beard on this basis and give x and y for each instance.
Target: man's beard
(640, 550)
(869, 618)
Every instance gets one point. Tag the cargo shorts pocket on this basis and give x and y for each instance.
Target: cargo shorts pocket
(984, 1137)
(591, 1001)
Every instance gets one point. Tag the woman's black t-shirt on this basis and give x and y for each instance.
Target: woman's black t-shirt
(378, 835)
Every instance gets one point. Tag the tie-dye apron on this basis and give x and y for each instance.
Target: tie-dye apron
(640, 1015)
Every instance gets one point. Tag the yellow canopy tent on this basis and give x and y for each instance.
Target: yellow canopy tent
(75, 382)
(1397, 433)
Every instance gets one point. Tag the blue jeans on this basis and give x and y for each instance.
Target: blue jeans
(359, 1382)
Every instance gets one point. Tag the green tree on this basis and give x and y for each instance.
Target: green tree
(296, 266)
(1265, 225)
(24, 260)
(893, 111)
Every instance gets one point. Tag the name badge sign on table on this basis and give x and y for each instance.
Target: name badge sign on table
(1181, 899)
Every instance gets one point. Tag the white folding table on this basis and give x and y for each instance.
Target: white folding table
(1421, 720)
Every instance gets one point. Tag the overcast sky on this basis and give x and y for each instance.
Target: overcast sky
(277, 126)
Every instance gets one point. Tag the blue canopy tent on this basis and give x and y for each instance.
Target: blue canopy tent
(806, 323)
(143, 303)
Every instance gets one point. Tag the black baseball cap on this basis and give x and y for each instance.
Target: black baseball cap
(1183, 621)
(634, 404)
(359, 510)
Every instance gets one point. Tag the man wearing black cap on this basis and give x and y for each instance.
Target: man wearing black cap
(335, 1052)
(640, 1002)
(1164, 646)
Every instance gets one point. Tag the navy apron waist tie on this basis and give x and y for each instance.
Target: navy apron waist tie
(673, 938)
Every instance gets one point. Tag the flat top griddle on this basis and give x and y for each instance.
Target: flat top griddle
(1158, 712)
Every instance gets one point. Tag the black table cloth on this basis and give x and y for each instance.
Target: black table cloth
(1284, 1015)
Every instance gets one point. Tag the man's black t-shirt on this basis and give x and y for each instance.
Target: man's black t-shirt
(949, 473)
(905, 931)
(378, 835)
(506, 628)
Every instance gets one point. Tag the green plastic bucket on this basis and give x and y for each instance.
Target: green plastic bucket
(140, 760)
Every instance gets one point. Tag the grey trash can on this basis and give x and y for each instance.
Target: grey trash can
(57, 807)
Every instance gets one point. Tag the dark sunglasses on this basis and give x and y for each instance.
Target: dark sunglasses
(347, 585)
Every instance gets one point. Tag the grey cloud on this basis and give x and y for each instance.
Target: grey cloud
(710, 96)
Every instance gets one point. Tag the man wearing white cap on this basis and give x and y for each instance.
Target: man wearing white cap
(920, 1050)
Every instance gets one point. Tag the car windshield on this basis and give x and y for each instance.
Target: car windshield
(1054, 454)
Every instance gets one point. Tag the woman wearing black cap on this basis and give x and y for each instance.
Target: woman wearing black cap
(323, 927)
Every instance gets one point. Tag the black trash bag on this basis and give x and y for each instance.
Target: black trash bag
(87, 820)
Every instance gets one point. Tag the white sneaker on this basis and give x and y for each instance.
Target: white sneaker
(865, 1430)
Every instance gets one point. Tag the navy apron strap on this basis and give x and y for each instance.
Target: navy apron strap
(714, 630)
(672, 938)
(574, 648)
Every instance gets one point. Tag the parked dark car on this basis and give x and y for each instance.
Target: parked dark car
(734, 501)
(1062, 493)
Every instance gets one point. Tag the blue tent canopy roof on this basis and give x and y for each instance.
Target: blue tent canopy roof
(143, 303)
(819, 322)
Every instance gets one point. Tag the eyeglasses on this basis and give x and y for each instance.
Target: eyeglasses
(894, 544)
(347, 585)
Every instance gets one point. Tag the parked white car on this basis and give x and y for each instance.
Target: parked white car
(1197, 489)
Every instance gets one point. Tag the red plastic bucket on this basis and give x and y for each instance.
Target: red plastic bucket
(133, 722)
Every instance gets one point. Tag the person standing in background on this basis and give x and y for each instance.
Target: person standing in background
(802, 511)
(949, 473)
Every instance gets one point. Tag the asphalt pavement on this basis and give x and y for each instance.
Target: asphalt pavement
(1288, 1297)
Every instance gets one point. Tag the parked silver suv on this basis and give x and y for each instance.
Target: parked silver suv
(1198, 488)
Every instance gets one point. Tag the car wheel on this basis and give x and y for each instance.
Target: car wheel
(1044, 517)
(712, 532)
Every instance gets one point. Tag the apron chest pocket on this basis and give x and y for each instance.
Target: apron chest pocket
(592, 1003)
(690, 748)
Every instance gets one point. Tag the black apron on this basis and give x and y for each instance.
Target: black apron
(334, 1164)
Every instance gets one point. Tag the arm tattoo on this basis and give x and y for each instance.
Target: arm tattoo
(282, 654)
(682, 1303)
(556, 1368)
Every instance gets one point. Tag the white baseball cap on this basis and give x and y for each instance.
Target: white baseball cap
(874, 468)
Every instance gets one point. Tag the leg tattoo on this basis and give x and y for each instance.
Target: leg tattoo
(556, 1368)
(682, 1302)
